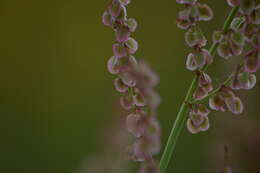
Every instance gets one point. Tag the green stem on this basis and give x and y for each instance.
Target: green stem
(182, 114)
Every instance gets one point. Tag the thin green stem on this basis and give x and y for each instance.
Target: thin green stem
(182, 114)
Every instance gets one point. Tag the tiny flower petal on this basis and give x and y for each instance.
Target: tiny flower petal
(128, 79)
(115, 9)
(216, 103)
(139, 99)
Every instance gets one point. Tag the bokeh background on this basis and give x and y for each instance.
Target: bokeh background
(57, 100)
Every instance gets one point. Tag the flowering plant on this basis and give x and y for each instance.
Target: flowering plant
(240, 35)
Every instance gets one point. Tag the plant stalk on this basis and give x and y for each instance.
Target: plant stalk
(182, 114)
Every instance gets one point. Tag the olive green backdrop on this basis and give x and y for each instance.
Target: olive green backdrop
(57, 98)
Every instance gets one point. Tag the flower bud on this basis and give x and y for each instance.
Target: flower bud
(131, 24)
(135, 124)
(131, 45)
(217, 36)
(205, 12)
(126, 102)
(120, 86)
(112, 65)
(119, 50)
(122, 33)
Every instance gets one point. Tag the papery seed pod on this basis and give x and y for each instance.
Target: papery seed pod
(119, 50)
(131, 24)
(205, 12)
(191, 63)
(235, 84)
(226, 92)
(191, 127)
(135, 124)
(256, 15)
(237, 23)
(120, 86)
(252, 62)
(207, 56)
(238, 38)
(131, 45)
(107, 19)
(205, 125)
(235, 49)
(122, 15)
(224, 50)
(112, 65)
(149, 167)
(204, 79)
(186, 1)
(217, 103)
(195, 38)
(140, 150)
(126, 101)
(233, 3)
(199, 93)
(234, 105)
(183, 23)
(217, 36)
(126, 63)
(203, 110)
(139, 99)
(122, 33)
(115, 9)
(247, 6)
(124, 2)
(247, 81)
(196, 119)
(128, 79)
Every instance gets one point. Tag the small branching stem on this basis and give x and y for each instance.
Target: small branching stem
(182, 114)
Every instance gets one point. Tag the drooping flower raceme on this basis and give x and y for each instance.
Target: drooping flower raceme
(244, 30)
(136, 81)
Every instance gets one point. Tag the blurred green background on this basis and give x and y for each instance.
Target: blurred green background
(57, 98)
